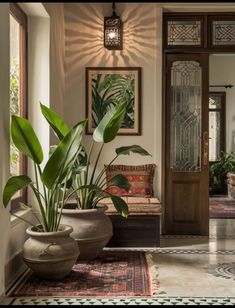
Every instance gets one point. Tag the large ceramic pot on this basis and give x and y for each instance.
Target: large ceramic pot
(92, 230)
(50, 255)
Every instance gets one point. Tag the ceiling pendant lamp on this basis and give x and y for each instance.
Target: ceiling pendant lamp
(113, 34)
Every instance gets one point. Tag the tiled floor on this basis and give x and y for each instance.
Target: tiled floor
(190, 270)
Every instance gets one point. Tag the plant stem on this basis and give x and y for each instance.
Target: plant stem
(103, 171)
(34, 214)
(102, 183)
(84, 203)
(57, 201)
(44, 220)
(62, 203)
(78, 184)
(77, 197)
(96, 163)
(25, 220)
(45, 194)
(90, 197)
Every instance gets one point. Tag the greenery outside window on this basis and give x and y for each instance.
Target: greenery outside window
(18, 89)
(216, 125)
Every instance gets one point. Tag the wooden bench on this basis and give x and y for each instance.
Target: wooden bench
(141, 228)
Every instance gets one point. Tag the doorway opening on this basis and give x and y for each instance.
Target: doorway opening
(221, 136)
(197, 124)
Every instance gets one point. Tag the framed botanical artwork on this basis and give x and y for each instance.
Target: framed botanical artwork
(107, 87)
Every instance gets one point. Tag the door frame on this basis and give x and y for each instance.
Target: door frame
(204, 48)
(198, 224)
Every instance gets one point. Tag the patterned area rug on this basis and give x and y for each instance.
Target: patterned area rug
(222, 208)
(111, 274)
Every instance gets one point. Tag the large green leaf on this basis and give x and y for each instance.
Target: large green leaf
(131, 149)
(62, 159)
(14, 184)
(56, 122)
(108, 127)
(121, 181)
(25, 139)
(120, 205)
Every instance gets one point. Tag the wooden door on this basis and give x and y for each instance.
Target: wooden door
(187, 145)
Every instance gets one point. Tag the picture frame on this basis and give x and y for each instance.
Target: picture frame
(108, 86)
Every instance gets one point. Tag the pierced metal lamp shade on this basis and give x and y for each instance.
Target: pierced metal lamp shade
(113, 35)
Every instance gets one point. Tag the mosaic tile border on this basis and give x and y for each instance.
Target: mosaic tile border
(175, 251)
(217, 237)
(149, 301)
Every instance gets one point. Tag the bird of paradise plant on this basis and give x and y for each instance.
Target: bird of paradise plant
(53, 177)
(83, 183)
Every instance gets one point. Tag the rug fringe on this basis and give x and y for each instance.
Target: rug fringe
(155, 283)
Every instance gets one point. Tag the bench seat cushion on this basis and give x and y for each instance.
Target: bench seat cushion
(136, 205)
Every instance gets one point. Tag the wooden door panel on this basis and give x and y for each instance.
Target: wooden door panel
(184, 196)
(186, 162)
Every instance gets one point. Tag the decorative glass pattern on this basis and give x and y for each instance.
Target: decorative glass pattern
(215, 101)
(224, 32)
(184, 32)
(185, 121)
(215, 135)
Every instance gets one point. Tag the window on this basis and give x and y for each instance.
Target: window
(216, 125)
(18, 87)
(183, 30)
(222, 30)
(200, 30)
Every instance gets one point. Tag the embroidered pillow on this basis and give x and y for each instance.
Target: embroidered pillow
(140, 177)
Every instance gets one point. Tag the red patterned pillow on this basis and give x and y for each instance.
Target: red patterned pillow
(140, 177)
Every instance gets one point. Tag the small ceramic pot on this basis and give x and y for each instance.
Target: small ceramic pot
(50, 255)
(92, 230)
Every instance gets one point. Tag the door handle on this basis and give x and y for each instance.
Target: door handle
(205, 148)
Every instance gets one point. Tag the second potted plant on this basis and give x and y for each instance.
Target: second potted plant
(92, 228)
(218, 172)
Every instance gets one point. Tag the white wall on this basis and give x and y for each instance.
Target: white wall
(4, 133)
(142, 47)
(221, 72)
(57, 52)
(39, 83)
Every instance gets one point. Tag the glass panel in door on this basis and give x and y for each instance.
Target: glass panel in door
(185, 116)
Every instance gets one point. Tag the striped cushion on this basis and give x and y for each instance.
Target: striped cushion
(140, 177)
(136, 206)
(133, 200)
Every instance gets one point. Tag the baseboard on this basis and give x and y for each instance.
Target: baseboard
(14, 270)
